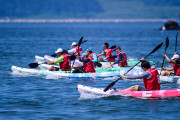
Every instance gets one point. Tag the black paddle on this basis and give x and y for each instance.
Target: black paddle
(167, 44)
(53, 55)
(112, 47)
(98, 64)
(34, 65)
(176, 43)
(112, 84)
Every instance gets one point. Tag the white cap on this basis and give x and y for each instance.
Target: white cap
(175, 56)
(74, 43)
(59, 50)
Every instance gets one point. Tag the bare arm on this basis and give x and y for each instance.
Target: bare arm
(169, 60)
(102, 53)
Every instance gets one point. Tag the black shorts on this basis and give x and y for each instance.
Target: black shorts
(141, 88)
(56, 69)
(172, 74)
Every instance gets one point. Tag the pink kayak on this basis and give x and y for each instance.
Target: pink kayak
(144, 94)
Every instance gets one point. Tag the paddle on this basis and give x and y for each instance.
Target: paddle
(176, 43)
(167, 44)
(112, 47)
(112, 84)
(98, 64)
(34, 65)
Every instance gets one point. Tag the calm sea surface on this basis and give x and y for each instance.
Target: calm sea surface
(35, 97)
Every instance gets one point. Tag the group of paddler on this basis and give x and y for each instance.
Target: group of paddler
(151, 77)
(89, 59)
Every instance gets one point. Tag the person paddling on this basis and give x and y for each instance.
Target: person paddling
(63, 60)
(75, 49)
(176, 66)
(150, 78)
(92, 56)
(107, 52)
(88, 65)
(121, 59)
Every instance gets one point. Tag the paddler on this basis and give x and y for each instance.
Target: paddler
(107, 52)
(92, 56)
(63, 60)
(75, 49)
(150, 78)
(176, 66)
(88, 64)
(121, 59)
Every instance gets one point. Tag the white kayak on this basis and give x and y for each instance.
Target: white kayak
(26, 71)
(67, 74)
(87, 92)
(64, 74)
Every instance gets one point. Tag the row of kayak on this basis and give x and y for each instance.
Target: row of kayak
(69, 74)
(62, 74)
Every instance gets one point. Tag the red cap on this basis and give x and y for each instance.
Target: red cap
(117, 47)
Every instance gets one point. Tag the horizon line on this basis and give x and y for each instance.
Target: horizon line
(78, 20)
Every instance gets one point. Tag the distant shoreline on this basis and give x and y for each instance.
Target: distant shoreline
(7, 20)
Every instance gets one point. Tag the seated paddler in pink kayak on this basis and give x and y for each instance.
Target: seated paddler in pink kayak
(150, 78)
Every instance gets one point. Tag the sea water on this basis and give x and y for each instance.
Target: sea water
(35, 97)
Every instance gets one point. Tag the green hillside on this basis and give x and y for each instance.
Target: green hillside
(128, 9)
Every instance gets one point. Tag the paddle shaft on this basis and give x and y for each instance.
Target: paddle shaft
(167, 44)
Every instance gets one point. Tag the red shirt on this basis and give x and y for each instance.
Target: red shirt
(176, 69)
(79, 51)
(66, 64)
(153, 82)
(89, 67)
(109, 52)
(91, 58)
(124, 59)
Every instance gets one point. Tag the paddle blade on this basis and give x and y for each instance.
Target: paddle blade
(84, 41)
(33, 65)
(113, 47)
(98, 64)
(80, 41)
(110, 86)
(53, 55)
(167, 42)
(176, 43)
(155, 49)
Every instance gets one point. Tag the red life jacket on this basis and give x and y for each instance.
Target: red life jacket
(89, 67)
(109, 52)
(66, 64)
(124, 60)
(152, 83)
(78, 50)
(91, 58)
(176, 69)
